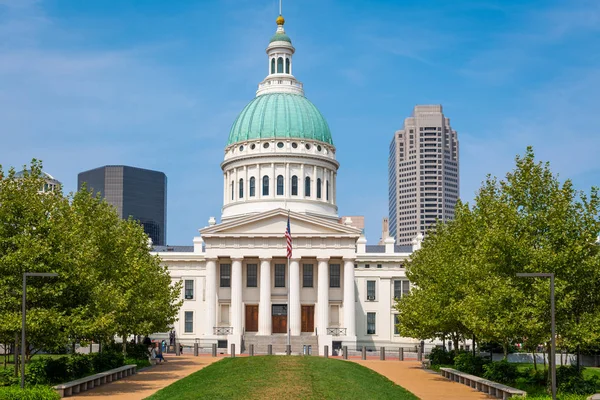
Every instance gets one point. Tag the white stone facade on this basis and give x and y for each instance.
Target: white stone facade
(239, 284)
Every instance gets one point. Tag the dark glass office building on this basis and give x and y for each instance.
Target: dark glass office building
(136, 192)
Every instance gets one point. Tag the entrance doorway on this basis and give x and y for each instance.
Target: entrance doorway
(308, 319)
(251, 318)
(279, 318)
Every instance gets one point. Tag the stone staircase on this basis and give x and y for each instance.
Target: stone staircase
(279, 341)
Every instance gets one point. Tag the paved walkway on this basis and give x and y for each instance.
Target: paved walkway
(424, 384)
(145, 383)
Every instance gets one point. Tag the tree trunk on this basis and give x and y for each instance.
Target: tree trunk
(124, 345)
(5, 354)
(16, 349)
(534, 359)
(444, 341)
(455, 342)
(550, 364)
(505, 349)
(578, 358)
(473, 344)
(73, 348)
(544, 358)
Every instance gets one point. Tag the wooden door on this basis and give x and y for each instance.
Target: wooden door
(251, 318)
(308, 318)
(279, 318)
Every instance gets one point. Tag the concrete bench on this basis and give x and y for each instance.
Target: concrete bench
(483, 385)
(90, 382)
(594, 397)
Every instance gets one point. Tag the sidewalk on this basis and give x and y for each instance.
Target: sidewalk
(145, 383)
(424, 384)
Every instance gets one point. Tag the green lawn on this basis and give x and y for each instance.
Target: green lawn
(279, 377)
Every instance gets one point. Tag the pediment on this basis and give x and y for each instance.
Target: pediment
(273, 224)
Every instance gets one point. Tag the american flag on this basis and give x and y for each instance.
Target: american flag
(288, 238)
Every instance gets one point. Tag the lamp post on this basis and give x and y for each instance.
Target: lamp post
(25, 275)
(552, 325)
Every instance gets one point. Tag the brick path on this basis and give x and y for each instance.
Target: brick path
(424, 384)
(145, 383)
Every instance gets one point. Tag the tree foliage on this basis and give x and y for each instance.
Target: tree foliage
(108, 282)
(465, 273)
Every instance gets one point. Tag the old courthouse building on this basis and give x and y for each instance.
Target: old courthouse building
(280, 162)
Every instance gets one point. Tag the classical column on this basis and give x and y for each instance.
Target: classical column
(323, 296)
(211, 296)
(264, 307)
(294, 306)
(349, 301)
(236, 295)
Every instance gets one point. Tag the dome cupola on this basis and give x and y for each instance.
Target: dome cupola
(280, 152)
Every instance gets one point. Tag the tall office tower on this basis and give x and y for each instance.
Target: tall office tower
(136, 192)
(422, 173)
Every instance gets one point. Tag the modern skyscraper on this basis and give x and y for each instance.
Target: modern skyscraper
(422, 173)
(136, 192)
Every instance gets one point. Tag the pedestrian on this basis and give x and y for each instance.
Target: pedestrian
(154, 354)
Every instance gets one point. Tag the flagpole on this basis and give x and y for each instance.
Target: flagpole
(288, 296)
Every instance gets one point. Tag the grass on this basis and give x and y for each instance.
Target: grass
(277, 377)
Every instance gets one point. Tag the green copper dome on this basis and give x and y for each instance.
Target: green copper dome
(280, 115)
(280, 37)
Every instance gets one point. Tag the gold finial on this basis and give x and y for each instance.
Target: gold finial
(280, 20)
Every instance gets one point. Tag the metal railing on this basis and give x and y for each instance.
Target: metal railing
(336, 331)
(222, 330)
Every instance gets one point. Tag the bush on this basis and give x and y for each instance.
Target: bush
(80, 365)
(56, 369)
(7, 377)
(501, 372)
(108, 359)
(439, 356)
(30, 393)
(537, 377)
(470, 364)
(570, 380)
(141, 363)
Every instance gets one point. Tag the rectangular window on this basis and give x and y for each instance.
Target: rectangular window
(401, 288)
(189, 322)
(334, 275)
(370, 323)
(225, 275)
(307, 275)
(279, 275)
(251, 275)
(396, 322)
(189, 289)
(371, 290)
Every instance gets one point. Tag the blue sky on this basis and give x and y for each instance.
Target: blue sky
(157, 84)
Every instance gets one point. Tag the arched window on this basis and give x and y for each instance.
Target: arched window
(272, 65)
(327, 190)
(252, 187)
(241, 188)
(280, 65)
(294, 185)
(307, 186)
(232, 190)
(265, 185)
(318, 188)
(287, 65)
(280, 185)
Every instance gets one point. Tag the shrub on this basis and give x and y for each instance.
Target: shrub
(7, 377)
(80, 365)
(56, 369)
(439, 356)
(141, 363)
(537, 377)
(30, 393)
(106, 360)
(570, 380)
(470, 364)
(501, 372)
